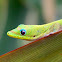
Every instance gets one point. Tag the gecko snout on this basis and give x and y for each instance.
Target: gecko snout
(8, 33)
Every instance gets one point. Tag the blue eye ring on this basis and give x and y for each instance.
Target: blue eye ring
(23, 31)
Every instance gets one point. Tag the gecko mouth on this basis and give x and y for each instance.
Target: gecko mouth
(18, 36)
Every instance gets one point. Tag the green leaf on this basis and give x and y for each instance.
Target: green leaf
(47, 49)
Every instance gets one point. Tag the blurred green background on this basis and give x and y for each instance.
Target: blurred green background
(15, 12)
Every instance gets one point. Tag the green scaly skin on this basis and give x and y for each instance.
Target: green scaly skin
(34, 32)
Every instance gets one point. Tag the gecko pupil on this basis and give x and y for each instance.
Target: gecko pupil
(22, 32)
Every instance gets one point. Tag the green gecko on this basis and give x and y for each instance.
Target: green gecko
(33, 32)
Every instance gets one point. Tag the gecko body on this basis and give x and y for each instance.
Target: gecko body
(33, 32)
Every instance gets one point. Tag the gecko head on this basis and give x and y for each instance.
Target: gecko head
(25, 32)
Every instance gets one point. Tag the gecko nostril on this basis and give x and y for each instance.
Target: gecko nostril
(7, 33)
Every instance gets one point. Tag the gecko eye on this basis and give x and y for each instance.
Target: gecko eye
(23, 31)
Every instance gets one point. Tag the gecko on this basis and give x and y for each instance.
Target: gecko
(33, 32)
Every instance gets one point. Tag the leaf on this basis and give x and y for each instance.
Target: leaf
(46, 49)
